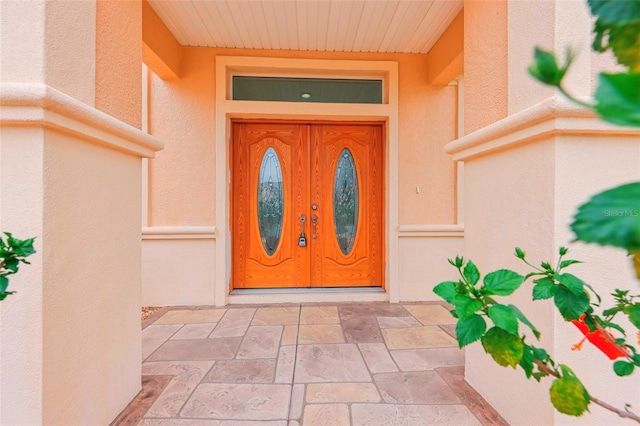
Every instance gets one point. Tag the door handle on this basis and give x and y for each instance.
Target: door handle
(314, 222)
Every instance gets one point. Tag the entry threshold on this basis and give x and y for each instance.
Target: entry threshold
(306, 290)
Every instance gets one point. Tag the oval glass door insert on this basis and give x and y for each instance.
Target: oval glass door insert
(345, 201)
(270, 201)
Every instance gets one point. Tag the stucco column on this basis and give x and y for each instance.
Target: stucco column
(69, 176)
(531, 158)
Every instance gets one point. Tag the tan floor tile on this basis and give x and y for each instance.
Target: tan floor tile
(187, 376)
(290, 335)
(239, 402)
(286, 364)
(361, 329)
(190, 316)
(234, 323)
(417, 338)
(197, 349)
(260, 342)
(297, 402)
(277, 316)
(322, 333)
(342, 392)
(242, 371)
(420, 387)
(428, 359)
(326, 414)
(330, 363)
(194, 331)
(377, 358)
(398, 322)
(418, 415)
(431, 314)
(319, 315)
(155, 335)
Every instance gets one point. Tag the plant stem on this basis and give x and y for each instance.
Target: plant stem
(622, 413)
(576, 100)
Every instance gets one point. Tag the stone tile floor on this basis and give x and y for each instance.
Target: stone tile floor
(304, 364)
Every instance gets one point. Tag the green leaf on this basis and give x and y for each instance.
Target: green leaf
(540, 354)
(623, 368)
(618, 98)
(566, 263)
(634, 314)
(11, 264)
(524, 320)
(447, 290)
(504, 318)
(544, 288)
(615, 11)
(611, 218)
(466, 306)
(573, 283)
(570, 305)
(4, 283)
(505, 348)
(470, 329)
(569, 396)
(502, 282)
(563, 250)
(545, 67)
(612, 311)
(471, 273)
(526, 362)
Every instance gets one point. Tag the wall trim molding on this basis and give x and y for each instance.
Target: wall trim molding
(431, 231)
(179, 233)
(553, 116)
(39, 105)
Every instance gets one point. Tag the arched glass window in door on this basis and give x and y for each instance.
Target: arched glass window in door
(270, 201)
(345, 201)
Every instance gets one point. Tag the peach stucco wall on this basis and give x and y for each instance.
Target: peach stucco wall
(181, 112)
(118, 60)
(531, 158)
(485, 63)
(70, 340)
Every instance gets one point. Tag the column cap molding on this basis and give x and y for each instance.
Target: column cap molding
(39, 105)
(553, 116)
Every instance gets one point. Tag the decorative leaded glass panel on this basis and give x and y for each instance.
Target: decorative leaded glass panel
(270, 201)
(345, 201)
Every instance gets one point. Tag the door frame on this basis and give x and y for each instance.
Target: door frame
(228, 109)
(378, 187)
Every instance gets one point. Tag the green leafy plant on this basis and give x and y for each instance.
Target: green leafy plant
(617, 28)
(506, 334)
(610, 218)
(12, 253)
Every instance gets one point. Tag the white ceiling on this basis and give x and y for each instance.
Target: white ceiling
(409, 26)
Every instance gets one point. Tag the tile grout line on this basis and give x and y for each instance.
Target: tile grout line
(293, 374)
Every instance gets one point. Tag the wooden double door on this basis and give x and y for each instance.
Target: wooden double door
(307, 204)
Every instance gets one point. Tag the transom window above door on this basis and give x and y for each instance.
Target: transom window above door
(296, 89)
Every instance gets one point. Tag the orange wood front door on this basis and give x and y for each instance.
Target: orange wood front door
(321, 179)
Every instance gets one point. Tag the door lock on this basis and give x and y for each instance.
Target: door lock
(302, 239)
